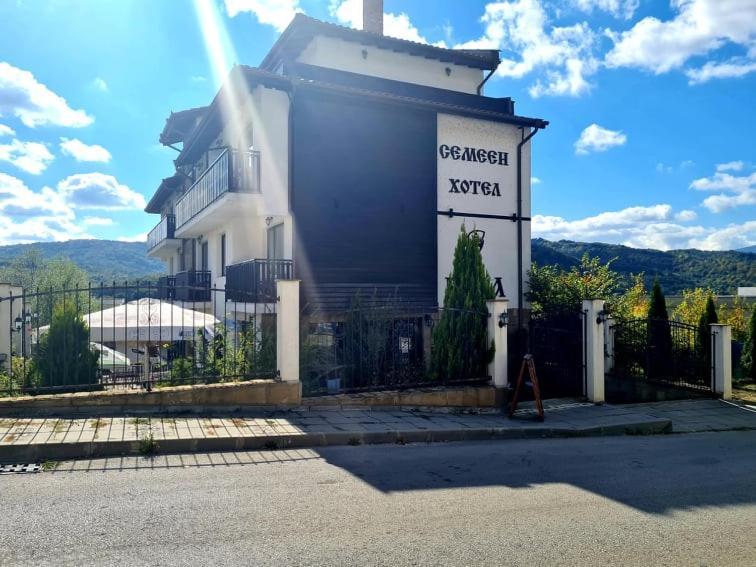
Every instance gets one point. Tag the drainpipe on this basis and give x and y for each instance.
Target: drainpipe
(292, 94)
(524, 141)
(490, 74)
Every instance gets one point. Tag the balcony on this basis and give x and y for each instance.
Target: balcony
(255, 281)
(192, 285)
(162, 237)
(166, 287)
(223, 190)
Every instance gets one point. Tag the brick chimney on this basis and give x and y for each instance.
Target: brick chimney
(372, 16)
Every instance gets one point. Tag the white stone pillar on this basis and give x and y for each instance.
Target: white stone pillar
(497, 331)
(593, 353)
(609, 344)
(721, 354)
(287, 330)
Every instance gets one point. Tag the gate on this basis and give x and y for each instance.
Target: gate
(558, 348)
(658, 359)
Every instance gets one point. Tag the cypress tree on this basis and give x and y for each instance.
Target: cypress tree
(708, 317)
(659, 335)
(657, 308)
(461, 349)
(748, 360)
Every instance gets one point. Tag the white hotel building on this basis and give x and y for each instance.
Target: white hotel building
(348, 160)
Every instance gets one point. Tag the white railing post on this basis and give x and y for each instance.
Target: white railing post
(497, 332)
(721, 356)
(593, 351)
(287, 330)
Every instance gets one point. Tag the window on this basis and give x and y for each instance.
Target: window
(205, 258)
(223, 254)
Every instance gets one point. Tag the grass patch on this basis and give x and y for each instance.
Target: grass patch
(745, 392)
(354, 441)
(49, 466)
(60, 426)
(148, 446)
(271, 445)
(139, 421)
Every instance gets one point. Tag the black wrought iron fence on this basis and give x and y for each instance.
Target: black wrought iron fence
(557, 344)
(131, 336)
(660, 351)
(385, 348)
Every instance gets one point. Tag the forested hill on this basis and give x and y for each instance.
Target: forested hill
(723, 272)
(103, 260)
(108, 260)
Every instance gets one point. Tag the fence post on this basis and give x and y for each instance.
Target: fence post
(609, 344)
(287, 330)
(593, 353)
(721, 354)
(497, 332)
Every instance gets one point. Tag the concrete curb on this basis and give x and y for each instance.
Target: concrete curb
(97, 449)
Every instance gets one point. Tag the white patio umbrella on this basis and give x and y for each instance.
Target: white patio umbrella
(147, 320)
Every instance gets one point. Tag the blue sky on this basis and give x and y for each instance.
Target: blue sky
(651, 105)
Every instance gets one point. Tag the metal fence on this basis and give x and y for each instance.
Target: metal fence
(385, 348)
(558, 345)
(131, 336)
(662, 352)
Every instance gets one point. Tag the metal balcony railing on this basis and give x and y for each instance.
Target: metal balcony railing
(164, 230)
(166, 287)
(233, 171)
(192, 285)
(255, 281)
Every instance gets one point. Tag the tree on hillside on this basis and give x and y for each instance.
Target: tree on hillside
(45, 281)
(748, 360)
(659, 334)
(461, 349)
(735, 314)
(555, 291)
(633, 304)
(692, 306)
(708, 317)
(64, 356)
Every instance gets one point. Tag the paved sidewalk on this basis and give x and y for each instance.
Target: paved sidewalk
(36, 440)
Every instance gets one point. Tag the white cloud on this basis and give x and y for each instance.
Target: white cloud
(521, 29)
(724, 181)
(99, 191)
(736, 190)
(617, 8)
(698, 28)
(141, 237)
(722, 202)
(6, 130)
(598, 139)
(84, 152)
(29, 216)
(349, 12)
(33, 103)
(31, 157)
(686, 216)
(275, 13)
(730, 69)
(646, 227)
(198, 79)
(535, 180)
(730, 166)
(98, 221)
(100, 84)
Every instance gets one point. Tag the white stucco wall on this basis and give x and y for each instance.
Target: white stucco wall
(500, 245)
(347, 56)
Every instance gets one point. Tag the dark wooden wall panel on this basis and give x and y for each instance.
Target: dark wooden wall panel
(364, 193)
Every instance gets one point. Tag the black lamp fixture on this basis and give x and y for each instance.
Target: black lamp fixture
(503, 319)
(18, 323)
(481, 234)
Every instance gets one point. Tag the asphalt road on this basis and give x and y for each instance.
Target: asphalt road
(665, 500)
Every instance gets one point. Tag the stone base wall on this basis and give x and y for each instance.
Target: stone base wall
(231, 395)
(461, 397)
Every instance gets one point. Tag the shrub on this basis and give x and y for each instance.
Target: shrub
(64, 356)
(460, 345)
(748, 360)
(708, 317)
(659, 334)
